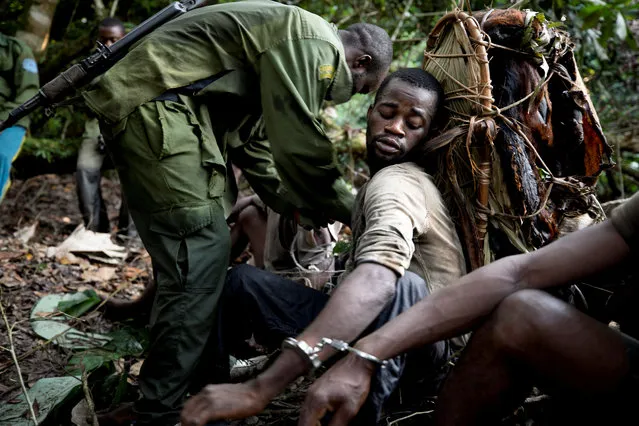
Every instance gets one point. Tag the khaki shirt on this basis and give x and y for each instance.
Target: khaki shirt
(278, 64)
(18, 76)
(400, 222)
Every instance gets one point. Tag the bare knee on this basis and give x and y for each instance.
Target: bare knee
(523, 317)
(250, 217)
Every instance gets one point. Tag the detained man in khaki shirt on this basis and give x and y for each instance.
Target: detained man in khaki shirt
(405, 246)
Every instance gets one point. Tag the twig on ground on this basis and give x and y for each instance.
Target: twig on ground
(113, 293)
(419, 413)
(12, 351)
(87, 396)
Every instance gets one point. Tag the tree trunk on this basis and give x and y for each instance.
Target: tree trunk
(100, 9)
(36, 32)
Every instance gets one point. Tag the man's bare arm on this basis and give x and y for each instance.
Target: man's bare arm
(352, 307)
(460, 307)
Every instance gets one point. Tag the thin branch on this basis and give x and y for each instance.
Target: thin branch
(100, 9)
(620, 160)
(426, 14)
(87, 396)
(398, 28)
(420, 413)
(12, 351)
(410, 40)
(114, 8)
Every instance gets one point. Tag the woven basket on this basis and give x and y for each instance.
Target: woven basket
(501, 191)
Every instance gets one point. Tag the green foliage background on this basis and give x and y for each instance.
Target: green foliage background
(604, 33)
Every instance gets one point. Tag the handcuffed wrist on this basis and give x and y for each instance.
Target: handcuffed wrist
(305, 351)
(311, 353)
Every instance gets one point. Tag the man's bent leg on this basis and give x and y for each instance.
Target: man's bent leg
(410, 289)
(531, 336)
(266, 305)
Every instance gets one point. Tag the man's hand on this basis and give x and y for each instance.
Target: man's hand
(218, 402)
(342, 390)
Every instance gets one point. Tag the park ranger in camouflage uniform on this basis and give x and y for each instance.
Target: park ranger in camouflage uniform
(18, 83)
(199, 91)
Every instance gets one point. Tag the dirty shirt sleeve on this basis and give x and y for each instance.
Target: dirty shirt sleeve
(294, 79)
(26, 79)
(395, 209)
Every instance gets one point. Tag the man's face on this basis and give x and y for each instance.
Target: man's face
(109, 35)
(365, 82)
(398, 122)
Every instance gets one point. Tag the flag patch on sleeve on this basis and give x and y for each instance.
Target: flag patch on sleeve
(30, 65)
(326, 72)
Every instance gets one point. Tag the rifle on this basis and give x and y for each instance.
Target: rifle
(96, 64)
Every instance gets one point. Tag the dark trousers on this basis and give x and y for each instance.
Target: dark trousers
(271, 308)
(92, 207)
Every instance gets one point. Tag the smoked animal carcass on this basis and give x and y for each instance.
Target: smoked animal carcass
(519, 158)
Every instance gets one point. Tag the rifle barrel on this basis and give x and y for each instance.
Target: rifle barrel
(96, 64)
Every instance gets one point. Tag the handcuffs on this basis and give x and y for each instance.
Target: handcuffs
(311, 353)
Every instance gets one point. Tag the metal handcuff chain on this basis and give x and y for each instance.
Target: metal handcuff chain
(311, 353)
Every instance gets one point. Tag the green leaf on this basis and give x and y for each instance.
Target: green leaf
(342, 247)
(591, 15)
(56, 329)
(124, 344)
(89, 361)
(80, 305)
(632, 43)
(49, 394)
(621, 30)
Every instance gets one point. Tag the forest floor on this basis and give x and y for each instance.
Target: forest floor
(39, 214)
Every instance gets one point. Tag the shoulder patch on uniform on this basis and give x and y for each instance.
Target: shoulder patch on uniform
(326, 72)
(30, 65)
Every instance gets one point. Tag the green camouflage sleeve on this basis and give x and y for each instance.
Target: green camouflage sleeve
(26, 79)
(256, 162)
(294, 79)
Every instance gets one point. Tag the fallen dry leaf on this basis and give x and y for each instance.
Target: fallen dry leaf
(70, 259)
(131, 272)
(9, 255)
(134, 372)
(12, 279)
(135, 368)
(26, 233)
(104, 273)
(80, 413)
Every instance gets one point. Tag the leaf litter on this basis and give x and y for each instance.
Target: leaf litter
(36, 217)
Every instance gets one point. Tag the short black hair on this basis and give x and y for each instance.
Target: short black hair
(111, 22)
(373, 41)
(418, 78)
